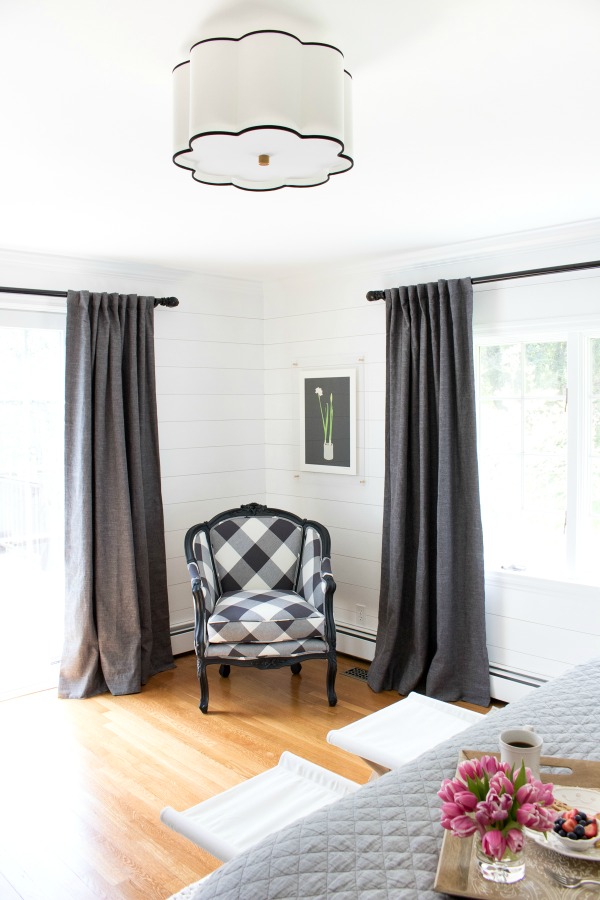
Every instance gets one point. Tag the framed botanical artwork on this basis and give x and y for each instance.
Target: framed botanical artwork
(328, 421)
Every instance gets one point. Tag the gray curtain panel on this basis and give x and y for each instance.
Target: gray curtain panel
(431, 635)
(116, 606)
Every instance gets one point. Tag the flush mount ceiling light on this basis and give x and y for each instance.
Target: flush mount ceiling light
(262, 112)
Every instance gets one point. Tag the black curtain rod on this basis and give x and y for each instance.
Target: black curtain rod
(507, 276)
(162, 301)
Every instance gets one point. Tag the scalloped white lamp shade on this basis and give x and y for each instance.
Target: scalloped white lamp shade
(262, 112)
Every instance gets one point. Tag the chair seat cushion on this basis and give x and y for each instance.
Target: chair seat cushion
(263, 617)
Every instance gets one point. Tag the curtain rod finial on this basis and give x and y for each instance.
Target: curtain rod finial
(167, 301)
(375, 295)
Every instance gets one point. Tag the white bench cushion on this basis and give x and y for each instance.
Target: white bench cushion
(234, 820)
(393, 736)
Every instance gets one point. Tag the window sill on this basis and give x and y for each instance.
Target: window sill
(527, 581)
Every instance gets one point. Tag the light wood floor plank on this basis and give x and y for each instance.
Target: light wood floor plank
(83, 781)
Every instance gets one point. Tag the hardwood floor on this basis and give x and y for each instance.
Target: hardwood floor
(83, 781)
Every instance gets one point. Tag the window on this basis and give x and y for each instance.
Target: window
(538, 420)
(31, 499)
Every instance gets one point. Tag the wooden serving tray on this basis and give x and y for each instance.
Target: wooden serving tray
(457, 872)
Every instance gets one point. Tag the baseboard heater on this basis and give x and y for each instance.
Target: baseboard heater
(527, 679)
(508, 685)
(182, 638)
(359, 633)
(354, 641)
(183, 628)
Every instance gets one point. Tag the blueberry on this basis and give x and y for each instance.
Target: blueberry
(579, 830)
(562, 833)
(573, 836)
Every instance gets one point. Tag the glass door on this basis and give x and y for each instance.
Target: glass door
(31, 499)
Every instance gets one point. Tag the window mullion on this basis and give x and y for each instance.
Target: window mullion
(522, 398)
(576, 441)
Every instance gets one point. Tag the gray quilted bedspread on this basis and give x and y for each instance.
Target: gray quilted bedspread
(383, 842)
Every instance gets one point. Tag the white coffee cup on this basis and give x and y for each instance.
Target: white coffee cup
(521, 745)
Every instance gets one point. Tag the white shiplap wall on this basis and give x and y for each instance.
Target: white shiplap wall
(210, 392)
(314, 324)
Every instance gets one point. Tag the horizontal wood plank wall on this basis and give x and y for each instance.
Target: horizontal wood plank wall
(313, 323)
(210, 393)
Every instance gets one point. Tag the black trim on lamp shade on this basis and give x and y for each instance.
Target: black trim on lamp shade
(271, 31)
(342, 162)
(258, 190)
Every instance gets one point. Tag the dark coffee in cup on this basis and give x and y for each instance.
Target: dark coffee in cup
(521, 745)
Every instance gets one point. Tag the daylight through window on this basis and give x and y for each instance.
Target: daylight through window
(538, 420)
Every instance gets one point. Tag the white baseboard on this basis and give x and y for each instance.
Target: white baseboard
(360, 644)
(182, 640)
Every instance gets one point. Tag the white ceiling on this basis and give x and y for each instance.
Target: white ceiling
(473, 118)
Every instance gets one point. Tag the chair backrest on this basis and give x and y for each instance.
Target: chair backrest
(255, 547)
(254, 553)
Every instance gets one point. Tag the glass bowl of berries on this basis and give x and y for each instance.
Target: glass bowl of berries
(576, 830)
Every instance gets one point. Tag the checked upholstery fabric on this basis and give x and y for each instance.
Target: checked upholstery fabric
(262, 617)
(262, 583)
(256, 554)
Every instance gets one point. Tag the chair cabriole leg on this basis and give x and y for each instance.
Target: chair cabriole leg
(203, 679)
(331, 673)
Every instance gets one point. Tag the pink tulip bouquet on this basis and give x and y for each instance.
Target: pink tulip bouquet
(491, 798)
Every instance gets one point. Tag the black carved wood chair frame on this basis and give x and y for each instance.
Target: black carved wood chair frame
(202, 613)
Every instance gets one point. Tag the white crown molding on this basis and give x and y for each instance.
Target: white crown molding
(91, 266)
(39, 265)
(481, 249)
(475, 252)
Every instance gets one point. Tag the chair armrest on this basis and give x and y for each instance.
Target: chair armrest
(194, 573)
(329, 586)
(326, 573)
(200, 566)
(202, 603)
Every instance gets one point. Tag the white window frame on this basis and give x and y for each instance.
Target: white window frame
(577, 331)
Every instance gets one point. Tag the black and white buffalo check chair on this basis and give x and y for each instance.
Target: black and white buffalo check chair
(263, 593)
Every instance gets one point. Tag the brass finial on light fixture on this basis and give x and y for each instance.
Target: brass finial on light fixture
(264, 159)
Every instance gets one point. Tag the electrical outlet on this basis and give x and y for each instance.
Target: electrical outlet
(361, 618)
